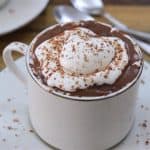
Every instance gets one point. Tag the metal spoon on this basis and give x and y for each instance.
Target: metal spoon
(64, 13)
(96, 7)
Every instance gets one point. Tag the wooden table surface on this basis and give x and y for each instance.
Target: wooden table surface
(137, 17)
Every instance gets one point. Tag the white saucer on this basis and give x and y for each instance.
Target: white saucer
(18, 13)
(15, 126)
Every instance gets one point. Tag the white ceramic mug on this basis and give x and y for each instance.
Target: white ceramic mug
(75, 123)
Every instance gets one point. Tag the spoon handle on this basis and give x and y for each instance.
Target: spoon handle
(145, 47)
(123, 27)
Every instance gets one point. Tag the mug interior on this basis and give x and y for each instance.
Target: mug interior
(42, 36)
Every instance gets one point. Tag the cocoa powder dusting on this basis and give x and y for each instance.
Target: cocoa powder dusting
(128, 74)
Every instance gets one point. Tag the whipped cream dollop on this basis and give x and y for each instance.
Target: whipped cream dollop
(78, 58)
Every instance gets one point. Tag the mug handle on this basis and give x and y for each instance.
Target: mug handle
(8, 59)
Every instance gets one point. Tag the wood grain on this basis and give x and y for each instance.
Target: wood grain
(113, 2)
(136, 17)
(144, 2)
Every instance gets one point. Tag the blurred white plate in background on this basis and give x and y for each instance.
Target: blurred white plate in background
(17, 13)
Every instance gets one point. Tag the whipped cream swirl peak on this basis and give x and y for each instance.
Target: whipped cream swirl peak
(78, 58)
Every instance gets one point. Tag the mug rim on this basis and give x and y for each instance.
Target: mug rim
(69, 97)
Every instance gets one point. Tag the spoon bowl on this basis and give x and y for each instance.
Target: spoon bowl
(64, 14)
(94, 7)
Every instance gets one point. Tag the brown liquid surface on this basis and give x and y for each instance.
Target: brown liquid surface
(129, 73)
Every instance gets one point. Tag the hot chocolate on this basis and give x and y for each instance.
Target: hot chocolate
(85, 59)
